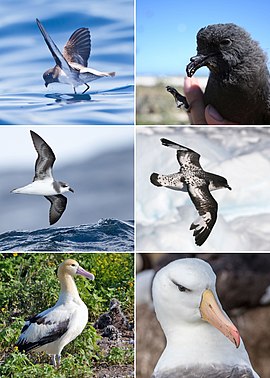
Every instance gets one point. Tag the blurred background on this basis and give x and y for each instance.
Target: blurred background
(241, 155)
(243, 287)
(97, 162)
(166, 40)
(25, 57)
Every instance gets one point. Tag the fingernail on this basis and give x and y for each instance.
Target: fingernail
(214, 114)
(187, 84)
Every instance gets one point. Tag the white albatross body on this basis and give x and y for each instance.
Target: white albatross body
(195, 326)
(51, 330)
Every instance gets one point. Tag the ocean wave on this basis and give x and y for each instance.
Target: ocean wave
(106, 235)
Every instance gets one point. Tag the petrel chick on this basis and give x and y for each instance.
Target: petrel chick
(113, 317)
(193, 179)
(71, 65)
(238, 86)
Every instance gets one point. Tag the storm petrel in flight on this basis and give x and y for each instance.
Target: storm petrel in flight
(71, 65)
(193, 179)
(43, 183)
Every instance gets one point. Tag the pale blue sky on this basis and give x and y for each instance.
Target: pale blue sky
(166, 30)
(71, 143)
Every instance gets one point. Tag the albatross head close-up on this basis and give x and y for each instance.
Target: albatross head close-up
(198, 331)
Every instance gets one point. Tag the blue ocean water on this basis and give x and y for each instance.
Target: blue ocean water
(25, 57)
(110, 235)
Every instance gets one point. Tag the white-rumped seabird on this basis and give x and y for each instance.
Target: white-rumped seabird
(43, 183)
(71, 65)
(193, 179)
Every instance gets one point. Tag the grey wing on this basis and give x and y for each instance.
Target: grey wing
(207, 208)
(78, 47)
(208, 372)
(56, 53)
(45, 160)
(58, 206)
(184, 155)
(39, 330)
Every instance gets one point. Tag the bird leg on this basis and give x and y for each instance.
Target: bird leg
(179, 99)
(53, 360)
(87, 87)
(58, 361)
(74, 90)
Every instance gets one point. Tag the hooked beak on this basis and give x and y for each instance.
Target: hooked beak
(71, 190)
(213, 314)
(84, 273)
(197, 62)
(228, 187)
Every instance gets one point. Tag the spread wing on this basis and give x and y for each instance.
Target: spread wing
(207, 208)
(78, 47)
(185, 156)
(43, 329)
(58, 206)
(45, 160)
(56, 53)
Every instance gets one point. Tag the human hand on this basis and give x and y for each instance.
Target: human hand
(199, 114)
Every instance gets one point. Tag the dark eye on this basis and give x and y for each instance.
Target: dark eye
(72, 264)
(181, 287)
(225, 42)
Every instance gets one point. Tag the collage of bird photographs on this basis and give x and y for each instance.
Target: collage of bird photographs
(135, 189)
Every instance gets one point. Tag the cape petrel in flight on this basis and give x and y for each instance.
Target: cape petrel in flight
(193, 179)
(43, 183)
(71, 65)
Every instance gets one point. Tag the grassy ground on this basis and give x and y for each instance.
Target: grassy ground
(155, 106)
(29, 285)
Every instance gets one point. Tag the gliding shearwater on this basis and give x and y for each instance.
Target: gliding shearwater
(71, 65)
(193, 179)
(202, 342)
(43, 183)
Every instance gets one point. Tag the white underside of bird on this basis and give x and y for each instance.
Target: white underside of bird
(81, 76)
(40, 187)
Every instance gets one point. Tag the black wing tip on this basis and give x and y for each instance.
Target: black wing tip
(34, 135)
(25, 346)
(39, 24)
(166, 142)
(200, 235)
(154, 180)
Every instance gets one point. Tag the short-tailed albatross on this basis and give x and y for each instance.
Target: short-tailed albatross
(202, 342)
(52, 329)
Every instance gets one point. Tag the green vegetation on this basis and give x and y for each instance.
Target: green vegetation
(29, 285)
(155, 106)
